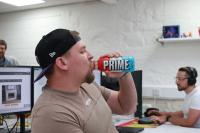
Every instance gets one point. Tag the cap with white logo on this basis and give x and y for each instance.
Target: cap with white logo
(53, 45)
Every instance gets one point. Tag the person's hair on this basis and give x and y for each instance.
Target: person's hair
(3, 42)
(191, 73)
(155, 111)
(75, 33)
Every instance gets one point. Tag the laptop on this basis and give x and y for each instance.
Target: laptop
(129, 129)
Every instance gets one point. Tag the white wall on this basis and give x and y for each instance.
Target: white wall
(129, 26)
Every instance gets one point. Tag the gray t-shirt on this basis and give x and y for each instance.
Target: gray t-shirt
(8, 61)
(85, 111)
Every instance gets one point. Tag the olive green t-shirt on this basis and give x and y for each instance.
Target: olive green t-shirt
(85, 111)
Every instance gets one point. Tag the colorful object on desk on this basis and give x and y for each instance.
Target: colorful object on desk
(134, 123)
(146, 120)
(143, 125)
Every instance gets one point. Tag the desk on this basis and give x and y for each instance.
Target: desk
(11, 122)
(169, 128)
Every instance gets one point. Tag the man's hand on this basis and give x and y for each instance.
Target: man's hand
(113, 74)
(159, 119)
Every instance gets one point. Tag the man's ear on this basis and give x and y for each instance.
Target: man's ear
(62, 63)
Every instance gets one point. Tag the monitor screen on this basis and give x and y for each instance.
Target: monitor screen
(97, 75)
(15, 90)
(39, 84)
(113, 84)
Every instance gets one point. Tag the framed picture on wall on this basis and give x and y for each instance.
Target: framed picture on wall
(171, 31)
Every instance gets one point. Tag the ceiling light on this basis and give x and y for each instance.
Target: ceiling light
(22, 2)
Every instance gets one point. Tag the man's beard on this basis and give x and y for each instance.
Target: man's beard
(181, 88)
(90, 78)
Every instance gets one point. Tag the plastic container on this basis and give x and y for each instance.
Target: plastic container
(119, 64)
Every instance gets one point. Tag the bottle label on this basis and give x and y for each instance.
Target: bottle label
(120, 64)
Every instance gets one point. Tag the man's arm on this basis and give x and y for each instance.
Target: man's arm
(165, 116)
(125, 100)
(192, 118)
(176, 114)
(177, 118)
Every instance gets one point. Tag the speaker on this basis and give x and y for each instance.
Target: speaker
(192, 73)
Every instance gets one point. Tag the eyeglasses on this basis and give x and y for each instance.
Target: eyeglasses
(180, 78)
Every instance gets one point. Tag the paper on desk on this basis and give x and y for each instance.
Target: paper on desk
(119, 119)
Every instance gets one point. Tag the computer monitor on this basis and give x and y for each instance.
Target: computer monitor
(15, 90)
(97, 75)
(113, 84)
(40, 83)
(37, 91)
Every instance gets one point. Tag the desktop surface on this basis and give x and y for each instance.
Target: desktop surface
(170, 128)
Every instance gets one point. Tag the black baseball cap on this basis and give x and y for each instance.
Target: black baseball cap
(54, 45)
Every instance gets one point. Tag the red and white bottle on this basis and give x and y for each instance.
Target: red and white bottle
(119, 64)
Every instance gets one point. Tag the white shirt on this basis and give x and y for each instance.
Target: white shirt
(192, 101)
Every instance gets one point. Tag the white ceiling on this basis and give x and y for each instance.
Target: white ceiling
(4, 8)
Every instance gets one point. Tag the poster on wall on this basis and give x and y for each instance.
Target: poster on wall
(171, 31)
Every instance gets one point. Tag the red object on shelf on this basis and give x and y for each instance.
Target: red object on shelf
(199, 30)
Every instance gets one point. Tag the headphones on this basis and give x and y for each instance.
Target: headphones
(192, 73)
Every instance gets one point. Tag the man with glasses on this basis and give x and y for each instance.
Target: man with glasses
(6, 61)
(189, 116)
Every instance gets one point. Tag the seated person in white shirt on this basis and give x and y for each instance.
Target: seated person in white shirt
(189, 115)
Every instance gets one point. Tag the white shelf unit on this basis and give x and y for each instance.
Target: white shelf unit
(173, 40)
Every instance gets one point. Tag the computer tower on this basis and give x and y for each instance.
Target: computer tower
(113, 84)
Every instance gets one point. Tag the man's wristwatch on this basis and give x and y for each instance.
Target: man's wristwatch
(168, 117)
